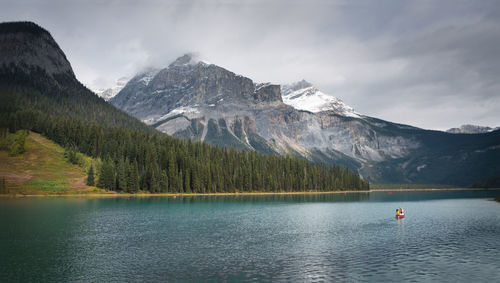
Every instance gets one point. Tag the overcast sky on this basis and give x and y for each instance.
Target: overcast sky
(431, 64)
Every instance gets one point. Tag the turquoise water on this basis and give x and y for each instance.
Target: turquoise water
(446, 236)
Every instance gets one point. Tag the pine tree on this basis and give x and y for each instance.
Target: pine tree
(172, 172)
(133, 178)
(154, 185)
(163, 182)
(107, 175)
(121, 176)
(187, 182)
(90, 176)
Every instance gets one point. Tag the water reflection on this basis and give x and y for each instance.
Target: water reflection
(276, 198)
(317, 237)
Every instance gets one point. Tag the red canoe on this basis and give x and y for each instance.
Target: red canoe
(400, 216)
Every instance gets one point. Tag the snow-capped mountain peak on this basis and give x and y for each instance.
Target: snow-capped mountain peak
(108, 93)
(303, 95)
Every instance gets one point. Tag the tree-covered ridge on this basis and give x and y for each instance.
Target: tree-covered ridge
(59, 95)
(135, 157)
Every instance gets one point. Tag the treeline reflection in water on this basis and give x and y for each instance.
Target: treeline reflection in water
(382, 196)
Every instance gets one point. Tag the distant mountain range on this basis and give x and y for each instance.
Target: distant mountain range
(472, 129)
(301, 95)
(200, 101)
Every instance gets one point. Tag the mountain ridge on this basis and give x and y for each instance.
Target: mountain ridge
(229, 114)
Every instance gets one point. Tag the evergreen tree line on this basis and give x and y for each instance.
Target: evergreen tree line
(139, 158)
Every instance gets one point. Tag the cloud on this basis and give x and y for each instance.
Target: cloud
(426, 63)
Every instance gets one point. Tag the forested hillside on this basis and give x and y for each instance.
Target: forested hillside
(134, 156)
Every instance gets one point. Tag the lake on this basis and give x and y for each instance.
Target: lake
(446, 236)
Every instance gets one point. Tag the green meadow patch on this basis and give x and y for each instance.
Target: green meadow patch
(43, 168)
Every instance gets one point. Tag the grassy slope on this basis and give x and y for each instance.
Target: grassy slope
(42, 169)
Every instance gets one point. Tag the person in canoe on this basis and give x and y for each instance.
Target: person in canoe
(400, 213)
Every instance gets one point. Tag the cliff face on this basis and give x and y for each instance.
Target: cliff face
(187, 83)
(267, 93)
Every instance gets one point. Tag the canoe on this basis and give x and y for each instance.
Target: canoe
(400, 216)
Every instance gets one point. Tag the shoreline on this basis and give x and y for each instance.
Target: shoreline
(174, 195)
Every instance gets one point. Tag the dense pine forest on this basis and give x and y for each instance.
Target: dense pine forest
(130, 156)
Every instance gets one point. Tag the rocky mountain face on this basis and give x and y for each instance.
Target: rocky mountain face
(199, 101)
(471, 129)
(41, 52)
(205, 102)
(187, 86)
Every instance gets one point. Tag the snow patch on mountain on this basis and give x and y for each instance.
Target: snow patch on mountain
(146, 76)
(259, 86)
(184, 109)
(304, 96)
(146, 79)
(176, 111)
(108, 93)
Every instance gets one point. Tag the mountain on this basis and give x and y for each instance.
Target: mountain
(471, 129)
(176, 99)
(35, 73)
(40, 93)
(151, 95)
(41, 52)
(303, 95)
(108, 93)
(204, 102)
